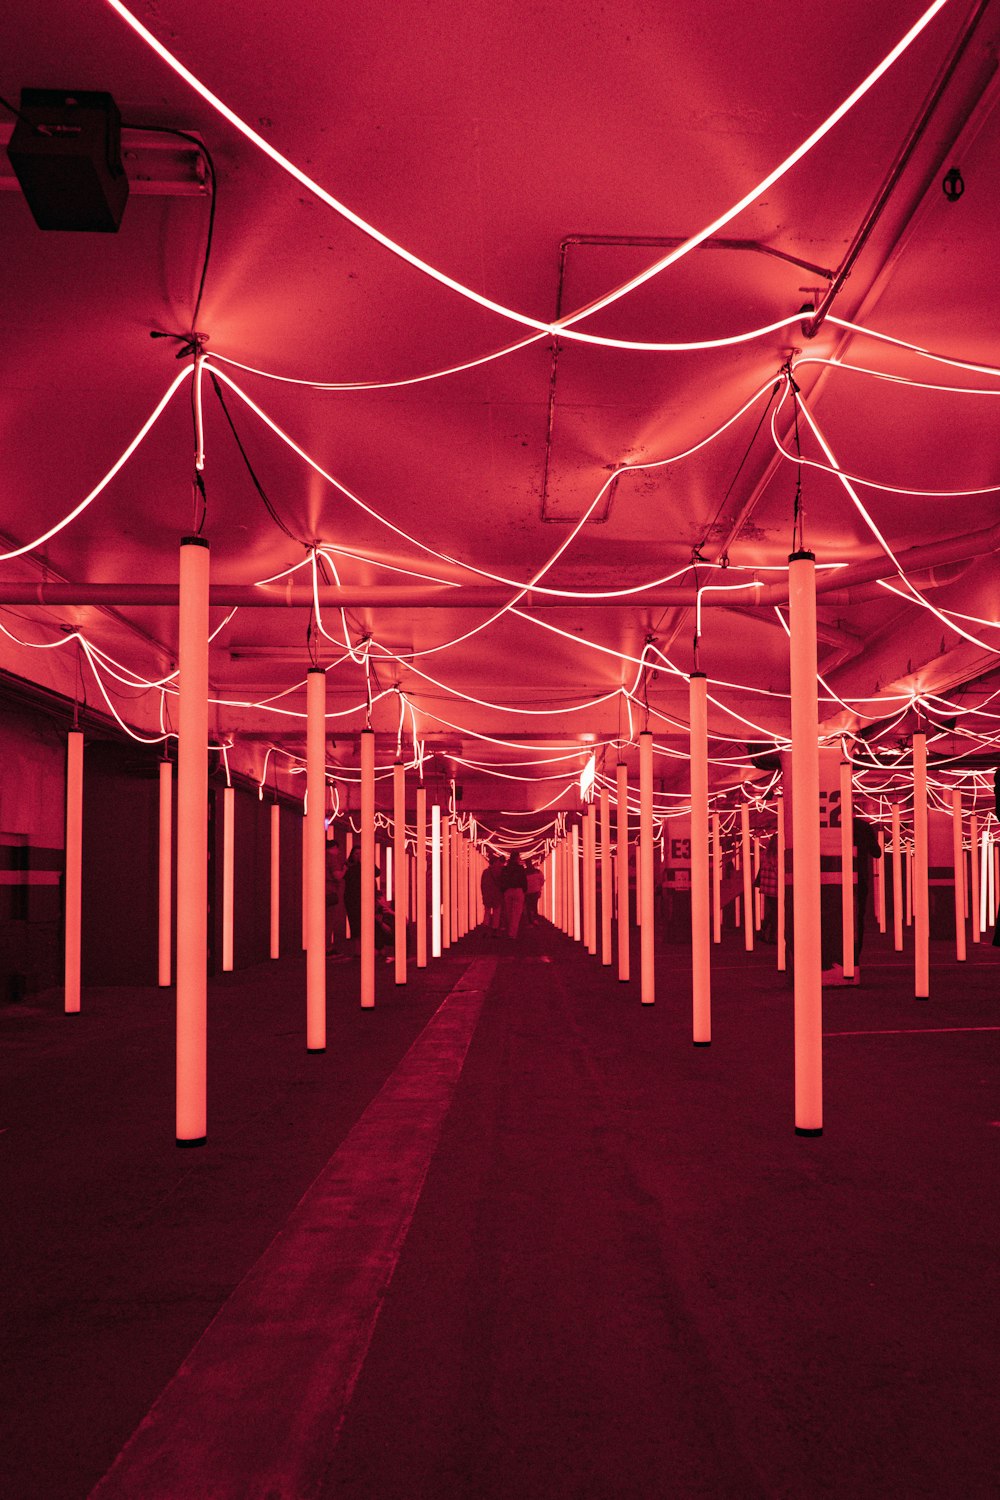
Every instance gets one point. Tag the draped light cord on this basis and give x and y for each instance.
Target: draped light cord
(918, 597)
(563, 327)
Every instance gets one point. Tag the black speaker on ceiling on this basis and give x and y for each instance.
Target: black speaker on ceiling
(66, 154)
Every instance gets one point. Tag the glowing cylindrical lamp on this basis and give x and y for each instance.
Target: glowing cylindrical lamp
(445, 882)
(621, 839)
(974, 875)
(399, 845)
(591, 878)
(847, 868)
(746, 864)
(897, 878)
(701, 930)
(921, 892)
(880, 887)
(420, 874)
(716, 880)
(575, 860)
(73, 886)
(958, 860)
(648, 935)
(305, 875)
(315, 863)
(808, 961)
(275, 880)
(192, 842)
(605, 877)
(228, 852)
(436, 941)
(367, 868)
(782, 939)
(166, 875)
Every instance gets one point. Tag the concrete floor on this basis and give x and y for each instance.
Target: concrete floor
(564, 1253)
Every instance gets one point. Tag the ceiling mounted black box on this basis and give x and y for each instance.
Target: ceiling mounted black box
(66, 153)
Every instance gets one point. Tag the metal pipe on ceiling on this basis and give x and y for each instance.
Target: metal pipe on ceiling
(836, 586)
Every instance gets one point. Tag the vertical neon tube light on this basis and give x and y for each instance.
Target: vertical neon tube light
(880, 875)
(305, 876)
(985, 883)
(315, 860)
(367, 868)
(746, 862)
(575, 845)
(275, 880)
(701, 930)
(781, 935)
(808, 962)
(435, 881)
(420, 875)
(908, 867)
(921, 892)
(460, 898)
(974, 874)
(897, 878)
(592, 878)
(73, 888)
(165, 876)
(192, 842)
(716, 880)
(621, 836)
(228, 852)
(399, 844)
(445, 883)
(847, 868)
(584, 880)
(605, 878)
(958, 860)
(645, 852)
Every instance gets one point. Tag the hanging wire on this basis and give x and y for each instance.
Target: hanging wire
(206, 156)
(696, 550)
(798, 517)
(268, 505)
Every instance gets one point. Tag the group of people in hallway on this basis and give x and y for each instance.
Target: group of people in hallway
(511, 891)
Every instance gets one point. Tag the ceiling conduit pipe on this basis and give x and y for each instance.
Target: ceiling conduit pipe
(835, 586)
(898, 167)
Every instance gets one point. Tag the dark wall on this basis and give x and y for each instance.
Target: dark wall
(120, 864)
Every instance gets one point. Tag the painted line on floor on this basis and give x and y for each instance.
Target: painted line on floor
(255, 1409)
(914, 1031)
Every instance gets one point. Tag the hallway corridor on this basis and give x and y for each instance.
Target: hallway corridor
(553, 1250)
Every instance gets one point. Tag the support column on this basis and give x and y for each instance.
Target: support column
(605, 878)
(880, 876)
(782, 937)
(701, 933)
(648, 934)
(166, 876)
(315, 860)
(958, 859)
(228, 855)
(716, 880)
(746, 863)
(847, 868)
(621, 836)
(436, 936)
(974, 875)
(446, 933)
(73, 886)
(591, 861)
(575, 856)
(921, 893)
(367, 868)
(420, 873)
(399, 863)
(275, 880)
(808, 962)
(192, 842)
(897, 878)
